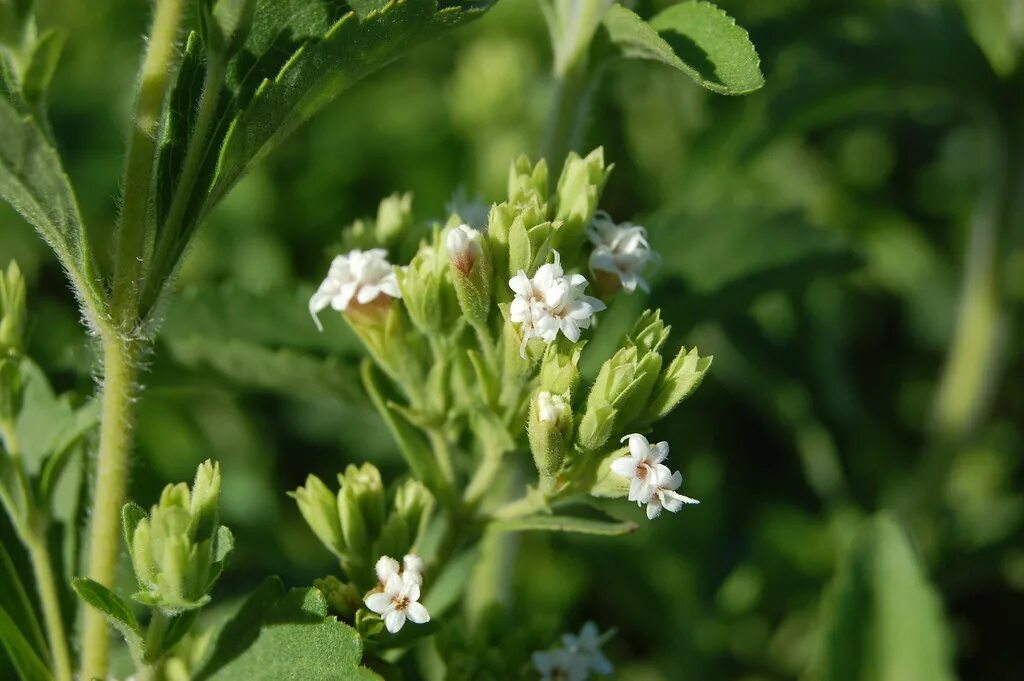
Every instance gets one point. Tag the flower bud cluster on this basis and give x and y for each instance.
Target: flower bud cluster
(178, 550)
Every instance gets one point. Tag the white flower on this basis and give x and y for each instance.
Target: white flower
(359, 275)
(550, 407)
(561, 665)
(622, 250)
(588, 645)
(464, 247)
(551, 302)
(651, 481)
(412, 565)
(398, 597)
(664, 494)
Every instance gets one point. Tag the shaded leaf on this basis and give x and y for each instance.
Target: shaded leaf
(18, 605)
(117, 610)
(696, 38)
(555, 523)
(25, 660)
(41, 67)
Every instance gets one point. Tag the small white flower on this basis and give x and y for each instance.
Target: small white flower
(561, 665)
(398, 597)
(550, 407)
(550, 302)
(412, 565)
(622, 250)
(361, 276)
(664, 494)
(588, 645)
(641, 466)
(464, 247)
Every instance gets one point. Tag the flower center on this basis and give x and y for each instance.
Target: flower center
(641, 470)
(400, 602)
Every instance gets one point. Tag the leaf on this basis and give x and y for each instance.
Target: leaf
(682, 377)
(41, 67)
(25, 660)
(448, 587)
(114, 608)
(555, 523)
(17, 605)
(33, 182)
(77, 427)
(287, 637)
(993, 26)
(883, 620)
(176, 629)
(696, 38)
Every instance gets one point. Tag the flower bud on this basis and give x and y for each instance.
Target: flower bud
(342, 598)
(558, 371)
(178, 550)
(550, 432)
(394, 218)
(407, 521)
(579, 190)
(528, 184)
(472, 273)
(427, 289)
(360, 508)
(12, 310)
(319, 508)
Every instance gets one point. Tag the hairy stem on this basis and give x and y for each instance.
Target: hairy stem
(117, 411)
(139, 167)
(49, 599)
(569, 103)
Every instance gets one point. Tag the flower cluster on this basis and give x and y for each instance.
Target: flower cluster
(359, 275)
(651, 482)
(621, 250)
(551, 301)
(396, 597)
(578, 656)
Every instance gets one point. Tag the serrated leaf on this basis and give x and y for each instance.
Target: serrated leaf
(25, 660)
(33, 182)
(117, 610)
(883, 620)
(556, 523)
(18, 606)
(694, 37)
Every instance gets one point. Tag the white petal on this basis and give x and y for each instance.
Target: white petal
(367, 293)
(385, 567)
(417, 613)
(411, 590)
(521, 284)
(660, 452)
(394, 621)
(378, 602)
(412, 563)
(393, 587)
(653, 508)
(624, 466)
(639, 448)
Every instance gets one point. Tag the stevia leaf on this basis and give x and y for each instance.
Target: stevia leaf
(694, 37)
(26, 661)
(41, 67)
(17, 604)
(554, 523)
(117, 610)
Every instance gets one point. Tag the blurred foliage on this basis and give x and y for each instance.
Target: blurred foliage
(814, 236)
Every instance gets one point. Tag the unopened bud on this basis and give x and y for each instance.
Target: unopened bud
(472, 273)
(550, 432)
(319, 508)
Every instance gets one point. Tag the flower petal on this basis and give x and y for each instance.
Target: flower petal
(378, 601)
(394, 621)
(385, 567)
(417, 613)
(624, 466)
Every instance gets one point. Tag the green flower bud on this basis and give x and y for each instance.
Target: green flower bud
(226, 24)
(579, 190)
(682, 377)
(550, 432)
(471, 272)
(528, 243)
(319, 508)
(342, 598)
(394, 218)
(427, 289)
(361, 509)
(407, 521)
(596, 426)
(528, 184)
(12, 310)
(178, 550)
(559, 372)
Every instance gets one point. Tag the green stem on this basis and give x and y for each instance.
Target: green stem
(163, 264)
(46, 585)
(119, 375)
(139, 167)
(566, 115)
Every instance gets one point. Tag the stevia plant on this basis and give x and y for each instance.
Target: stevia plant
(474, 350)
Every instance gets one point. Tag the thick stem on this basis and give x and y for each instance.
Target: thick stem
(139, 167)
(119, 374)
(49, 599)
(567, 112)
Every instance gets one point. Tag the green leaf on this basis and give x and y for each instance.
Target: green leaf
(131, 515)
(25, 660)
(33, 182)
(448, 587)
(696, 38)
(998, 32)
(74, 430)
(174, 632)
(114, 608)
(555, 523)
(41, 66)
(682, 377)
(285, 636)
(17, 605)
(883, 620)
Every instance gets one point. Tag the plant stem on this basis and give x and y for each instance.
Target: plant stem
(569, 103)
(139, 167)
(119, 374)
(46, 585)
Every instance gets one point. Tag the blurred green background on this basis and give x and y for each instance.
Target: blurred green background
(815, 238)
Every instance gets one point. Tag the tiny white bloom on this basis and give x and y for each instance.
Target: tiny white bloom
(550, 302)
(641, 466)
(664, 494)
(412, 565)
(550, 407)
(398, 598)
(588, 645)
(359, 275)
(622, 250)
(560, 665)
(464, 247)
